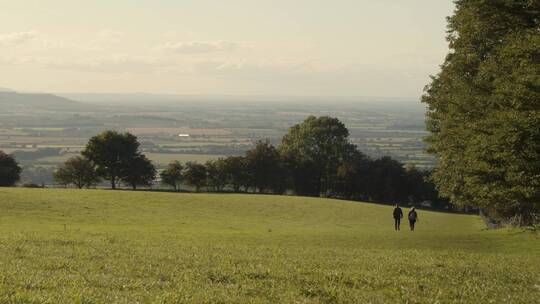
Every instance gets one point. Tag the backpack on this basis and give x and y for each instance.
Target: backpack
(412, 216)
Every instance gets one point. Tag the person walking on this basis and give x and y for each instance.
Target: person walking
(413, 217)
(398, 215)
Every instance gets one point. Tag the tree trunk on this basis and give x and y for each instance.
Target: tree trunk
(113, 183)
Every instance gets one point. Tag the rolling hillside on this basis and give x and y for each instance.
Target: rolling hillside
(98, 246)
(11, 101)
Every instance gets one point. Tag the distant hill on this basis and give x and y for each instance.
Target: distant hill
(167, 99)
(22, 102)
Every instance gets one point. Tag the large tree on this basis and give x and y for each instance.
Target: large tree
(313, 150)
(78, 171)
(484, 109)
(10, 172)
(112, 152)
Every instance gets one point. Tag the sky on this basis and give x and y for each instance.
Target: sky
(227, 47)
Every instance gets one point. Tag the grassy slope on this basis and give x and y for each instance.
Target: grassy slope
(93, 246)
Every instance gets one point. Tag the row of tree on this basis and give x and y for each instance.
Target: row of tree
(315, 158)
(263, 170)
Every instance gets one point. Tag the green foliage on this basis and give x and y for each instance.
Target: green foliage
(195, 175)
(265, 168)
(387, 181)
(315, 155)
(139, 172)
(112, 153)
(313, 151)
(172, 175)
(353, 176)
(96, 246)
(217, 175)
(236, 172)
(484, 112)
(10, 171)
(77, 171)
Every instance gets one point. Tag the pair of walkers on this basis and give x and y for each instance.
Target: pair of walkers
(398, 215)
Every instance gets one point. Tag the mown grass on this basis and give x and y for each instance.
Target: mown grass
(98, 246)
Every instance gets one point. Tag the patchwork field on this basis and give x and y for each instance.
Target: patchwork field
(162, 159)
(99, 246)
(159, 159)
(43, 137)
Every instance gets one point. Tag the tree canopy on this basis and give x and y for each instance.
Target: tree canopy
(314, 149)
(484, 109)
(264, 167)
(9, 170)
(112, 152)
(315, 158)
(236, 172)
(139, 172)
(194, 174)
(217, 175)
(172, 175)
(78, 171)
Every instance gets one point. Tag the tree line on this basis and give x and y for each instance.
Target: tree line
(315, 158)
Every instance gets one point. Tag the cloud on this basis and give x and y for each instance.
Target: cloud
(265, 68)
(309, 77)
(18, 38)
(178, 35)
(109, 34)
(105, 39)
(201, 47)
(113, 64)
(15, 61)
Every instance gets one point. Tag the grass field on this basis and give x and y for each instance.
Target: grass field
(99, 246)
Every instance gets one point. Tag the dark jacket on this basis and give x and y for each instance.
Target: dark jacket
(398, 213)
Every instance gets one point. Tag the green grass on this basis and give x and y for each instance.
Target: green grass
(98, 246)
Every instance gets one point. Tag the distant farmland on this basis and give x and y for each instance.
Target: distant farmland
(214, 130)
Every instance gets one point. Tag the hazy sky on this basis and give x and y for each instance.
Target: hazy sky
(266, 47)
